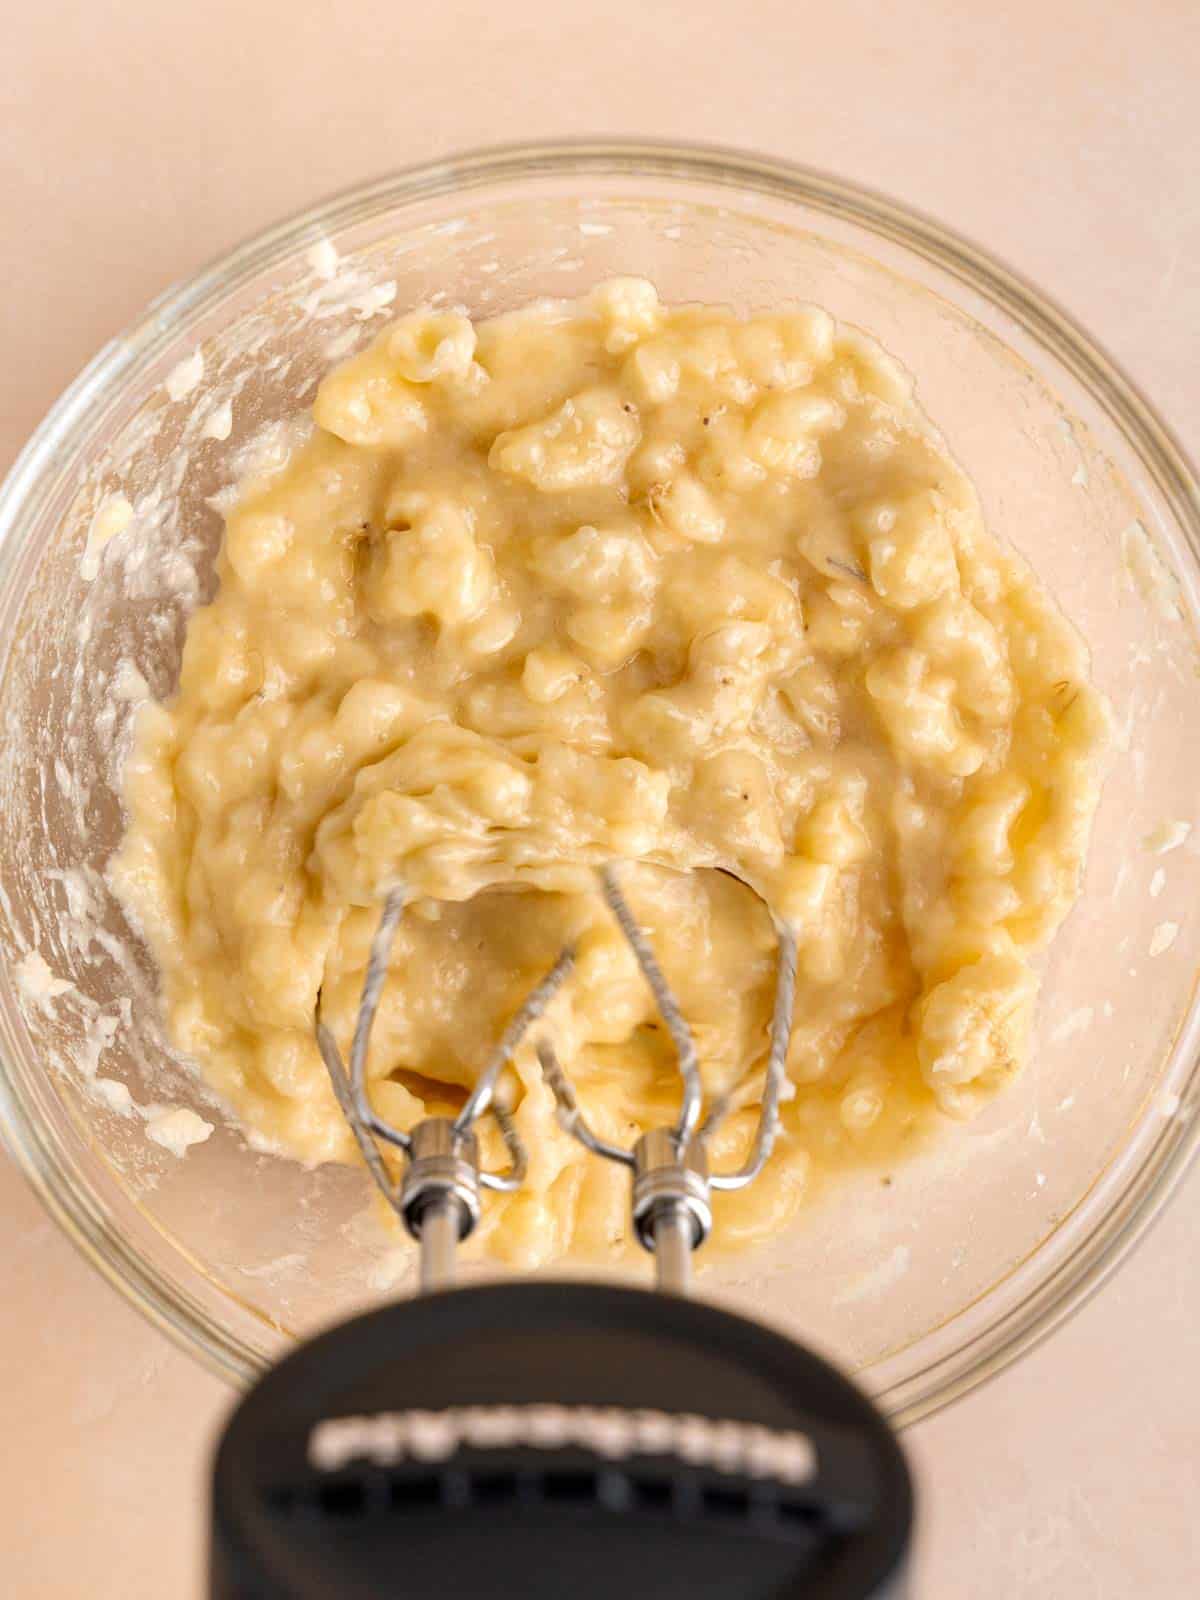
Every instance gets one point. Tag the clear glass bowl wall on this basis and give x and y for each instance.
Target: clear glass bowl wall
(976, 1248)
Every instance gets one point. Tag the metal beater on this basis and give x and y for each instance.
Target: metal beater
(439, 1196)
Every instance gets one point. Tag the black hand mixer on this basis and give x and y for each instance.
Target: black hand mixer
(554, 1440)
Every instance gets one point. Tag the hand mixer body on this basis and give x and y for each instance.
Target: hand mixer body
(548, 1440)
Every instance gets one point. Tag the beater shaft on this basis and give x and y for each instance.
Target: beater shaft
(673, 1242)
(439, 1245)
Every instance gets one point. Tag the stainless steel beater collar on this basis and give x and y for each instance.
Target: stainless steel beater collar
(443, 1169)
(665, 1182)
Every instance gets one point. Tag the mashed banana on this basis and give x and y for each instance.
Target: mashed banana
(608, 581)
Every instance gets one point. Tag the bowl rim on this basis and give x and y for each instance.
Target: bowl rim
(60, 439)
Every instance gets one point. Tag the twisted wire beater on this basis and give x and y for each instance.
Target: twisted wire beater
(350, 1087)
(687, 1125)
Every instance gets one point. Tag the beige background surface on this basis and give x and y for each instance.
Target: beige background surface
(140, 139)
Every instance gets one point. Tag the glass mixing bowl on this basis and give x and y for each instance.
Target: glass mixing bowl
(974, 1250)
